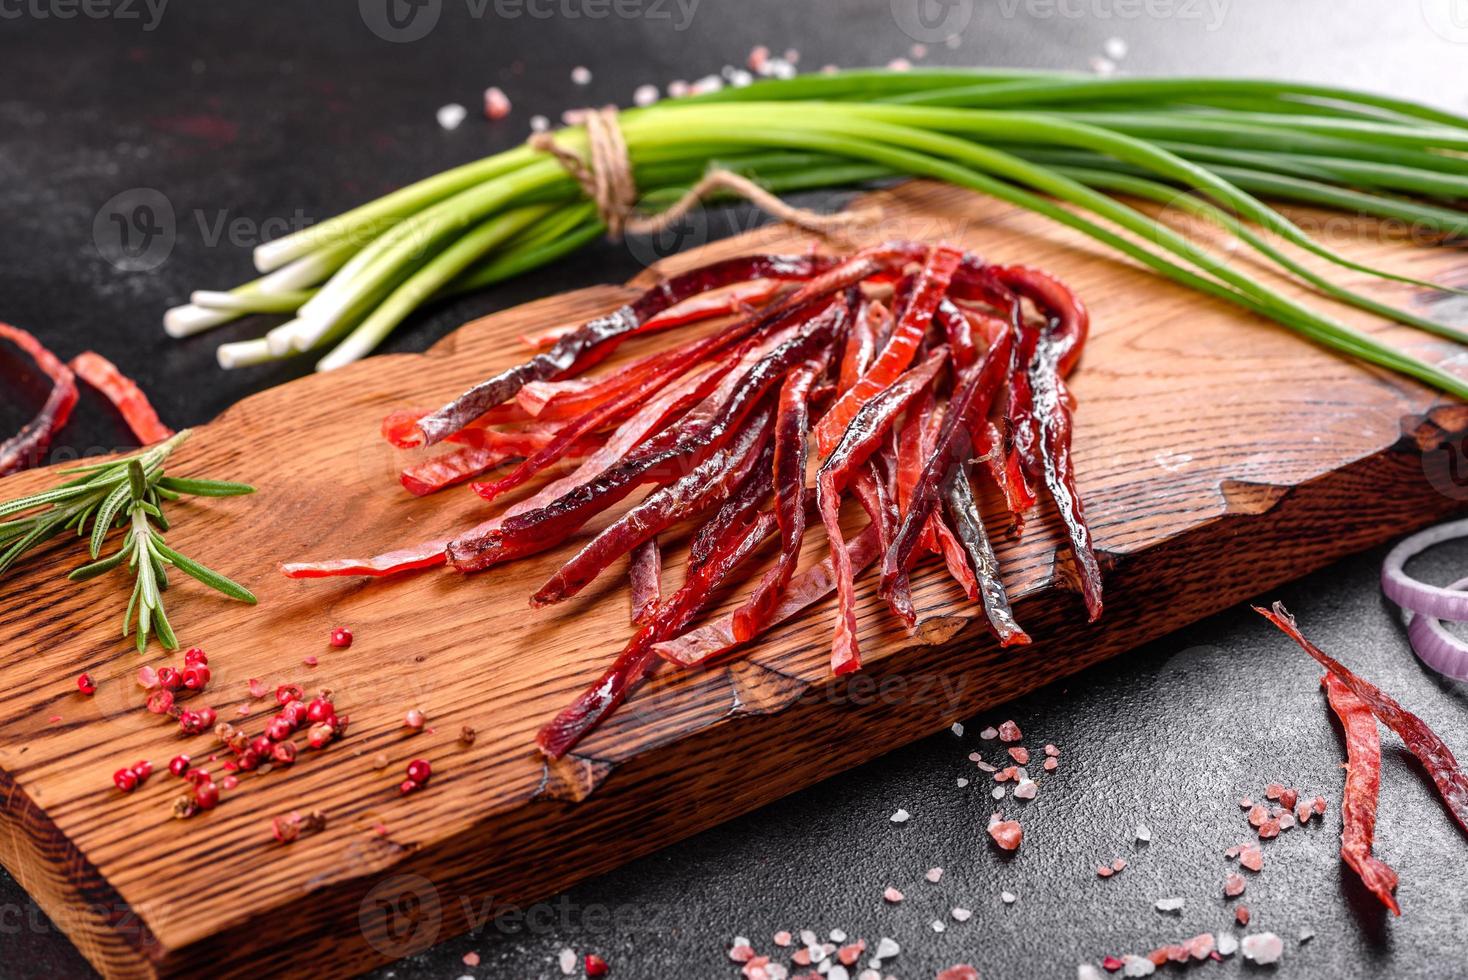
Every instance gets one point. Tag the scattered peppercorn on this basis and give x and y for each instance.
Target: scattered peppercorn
(341, 637)
(85, 684)
(467, 735)
(194, 657)
(125, 780)
(414, 719)
(596, 966)
(206, 795)
(179, 765)
(419, 770)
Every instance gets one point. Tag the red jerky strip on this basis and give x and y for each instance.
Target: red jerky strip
(861, 346)
(424, 555)
(705, 306)
(1430, 750)
(705, 485)
(1363, 784)
(400, 426)
(598, 338)
(740, 508)
(646, 575)
(23, 449)
(900, 348)
(963, 513)
(792, 448)
(1055, 354)
(637, 658)
(716, 638)
(490, 448)
(685, 443)
(868, 425)
(959, 331)
(627, 435)
(123, 393)
(968, 407)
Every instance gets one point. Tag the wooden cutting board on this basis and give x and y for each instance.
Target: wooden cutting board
(1218, 456)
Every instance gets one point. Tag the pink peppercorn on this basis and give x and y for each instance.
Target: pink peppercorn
(194, 657)
(85, 684)
(419, 770)
(341, 637)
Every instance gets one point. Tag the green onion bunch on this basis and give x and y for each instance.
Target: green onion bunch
(1061, 145)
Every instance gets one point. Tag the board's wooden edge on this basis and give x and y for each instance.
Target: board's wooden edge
(341, 928)
(110, 933)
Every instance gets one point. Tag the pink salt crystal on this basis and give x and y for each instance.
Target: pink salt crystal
(1273, 791)
(1319, 805)
(851, 952)
(758, 56)
(1286, 821)
(147, 677)
(1245, 803)
(229, 782)
(782, 938)
(960, 972)
(1119, 864)
(496, 103)
(1051, 764)
(756, 969)
(471, 958)
(1200, 945)
(1020, 754)
(310, 661)
(989, 734)
(902, 64)
(934, 874)
(1233, 852)
(1252, 857)
(987, 767)
(1303, 812)
(1258, 815)
(1051, 751)
(1233, 885)
(975, 757)
(892, 895)
(1289, 798)
(1009, 732)
(1269, 829)
(1007, 834)
(1104, 871)
(801, 957)
(257, 688)
(741, 954)
(1026, 790)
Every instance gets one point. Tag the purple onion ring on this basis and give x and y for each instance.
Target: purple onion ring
(1419, 597)
(1436, 647)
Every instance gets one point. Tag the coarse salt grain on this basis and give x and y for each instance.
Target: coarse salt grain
(782, 938)
(1137, 966)
(741, 952)
(1119, 864)
(581, 75)
(899, 64)
(975, 757)
(997, 792)
(962, 782)
(1241, 915)
(1233, 885)
(1051, 750)
(1020, 754)
(1144, 833)
(1009, 732)
(1008, 898)
(901, 816)
(1104, 871)
(957, 729)
(961, 914)
(886, 948)
(1008, 834)
(1050, 765)
(496, 103)
(1252, 857)
(1228, 944)
(1274, 791)
(568, 961)
(645, 95)
(960, 971)
(1262, 947)
(989, 734)
(1026, 789)
(451, 115)
(934, 875)
(1172, 904)
(1115, 48)
(539, 123)
(471, 958)
(838, 936)
(892, 895)
(1086, 971)
(938, 925)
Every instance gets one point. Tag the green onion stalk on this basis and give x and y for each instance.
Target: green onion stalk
(1075, 149)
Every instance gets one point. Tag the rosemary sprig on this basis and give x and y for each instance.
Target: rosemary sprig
(125, 493)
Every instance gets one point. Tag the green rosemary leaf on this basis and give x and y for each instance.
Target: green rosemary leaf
(98, 567)
(164, 629)
(204, 488)
(132, 604)
(163, 491)
(208, 576)
(106, 513)
(138, 479)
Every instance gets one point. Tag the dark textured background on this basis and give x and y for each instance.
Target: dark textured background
(250, 111)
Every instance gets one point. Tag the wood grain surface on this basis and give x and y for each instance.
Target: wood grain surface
(1218, 456)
